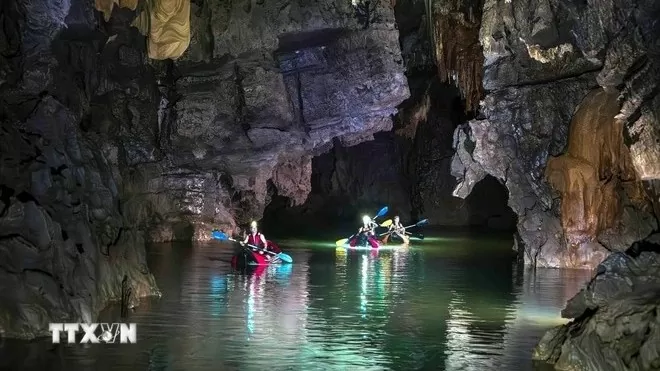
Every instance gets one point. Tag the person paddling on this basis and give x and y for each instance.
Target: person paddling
(256, 238)
(397, 229)
(366, 233)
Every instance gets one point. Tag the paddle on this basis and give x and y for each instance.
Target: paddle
(223, 237)
(419, 223)
(387, 223)
(382, 212)
(417, 236)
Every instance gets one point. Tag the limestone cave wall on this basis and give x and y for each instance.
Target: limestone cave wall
(133, 121)
(568, 124)
(409, 168)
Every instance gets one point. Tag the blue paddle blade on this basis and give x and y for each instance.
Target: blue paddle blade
(219, 235)
(422, 222)
(285, 258)
(382, 212)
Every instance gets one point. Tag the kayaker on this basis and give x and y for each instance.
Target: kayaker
(366, 230)
(397, 229)
(255, 238)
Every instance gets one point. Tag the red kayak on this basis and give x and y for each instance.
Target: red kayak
(248, 257)
(362, 241)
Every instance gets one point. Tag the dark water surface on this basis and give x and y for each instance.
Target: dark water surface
(448, 303)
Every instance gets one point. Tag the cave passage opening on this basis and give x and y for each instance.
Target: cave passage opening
(407, 169)
(488, 207)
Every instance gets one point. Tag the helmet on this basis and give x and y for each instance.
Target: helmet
(366, 219)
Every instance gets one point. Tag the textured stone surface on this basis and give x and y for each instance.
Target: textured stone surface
(601, 194)
(408, 170)
(644, 141)
(615, 318)
(102, 148)
(67, 247)
(458, 52)
(538, 69)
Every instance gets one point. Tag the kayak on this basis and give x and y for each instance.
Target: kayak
(394, 239)
(248, 257)
(368, 242)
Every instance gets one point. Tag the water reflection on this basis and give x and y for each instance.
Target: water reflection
(433, 307)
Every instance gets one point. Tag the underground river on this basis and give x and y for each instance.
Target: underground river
(448, 303)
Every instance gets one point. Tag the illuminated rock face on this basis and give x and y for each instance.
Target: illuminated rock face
(579, 164)
(263, 87)
(106, 6)
(594, 171)
(166, 23)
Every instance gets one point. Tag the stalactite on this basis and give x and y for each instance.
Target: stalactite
(106, 6)
(595, 170)
(166, 23)
(169, 35)
(455, 34)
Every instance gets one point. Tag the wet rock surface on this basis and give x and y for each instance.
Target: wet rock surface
(615, 322)
(538, 70)
(103, 149)
(279, 84)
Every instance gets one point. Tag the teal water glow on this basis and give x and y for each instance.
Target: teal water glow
(447, 303)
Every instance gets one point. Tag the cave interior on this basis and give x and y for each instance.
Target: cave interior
(127, 123)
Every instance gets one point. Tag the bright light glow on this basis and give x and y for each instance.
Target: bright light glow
(550, 54)
(366, 219)
(363, 291)
(250, 309)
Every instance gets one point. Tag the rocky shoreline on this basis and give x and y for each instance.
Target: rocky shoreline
(615, 323)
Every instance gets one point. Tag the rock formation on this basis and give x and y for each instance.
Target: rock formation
(616, 324)
(595, 176)
(568, 125)
(107, 142)
(455, 26)
(409, 169)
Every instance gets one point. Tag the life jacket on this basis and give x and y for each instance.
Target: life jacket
(256, 240)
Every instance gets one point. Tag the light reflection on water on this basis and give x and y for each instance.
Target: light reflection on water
(446, 305)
